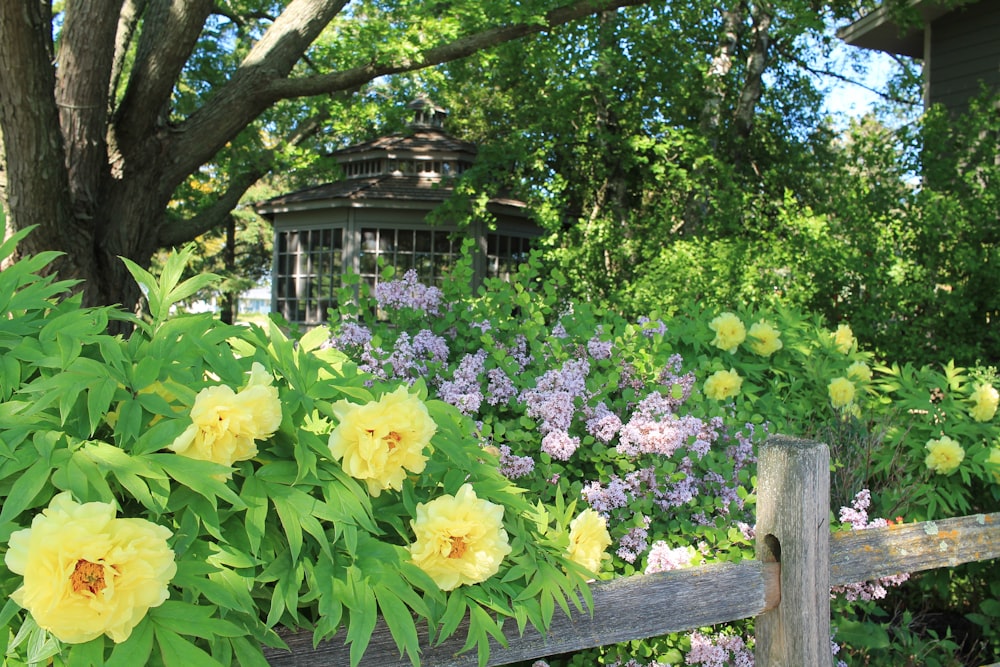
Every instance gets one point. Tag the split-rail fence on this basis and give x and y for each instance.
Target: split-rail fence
(786, 588)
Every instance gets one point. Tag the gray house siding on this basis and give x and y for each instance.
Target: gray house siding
(964, 54)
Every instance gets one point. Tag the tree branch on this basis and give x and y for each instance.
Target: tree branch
(182, 231)
(170, 31)
(459, 48)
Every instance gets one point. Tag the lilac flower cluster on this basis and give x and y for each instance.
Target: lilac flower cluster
(857, 516)
(655, 429)
(721, 650)
(560, 445)
(651, 328)
(464, 390)
(552, 402)
(409, 292)
(662, 558)
(513, 466)
(599, 349)
(634, 542)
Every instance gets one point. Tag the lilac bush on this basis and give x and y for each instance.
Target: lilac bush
(581, 406)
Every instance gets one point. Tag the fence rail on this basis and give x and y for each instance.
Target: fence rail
(786, 588)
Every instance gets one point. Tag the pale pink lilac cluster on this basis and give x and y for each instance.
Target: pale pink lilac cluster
(662, 558)
(602, 423)
(720, 650)
(409, 292)
(857, 516)
(654, 428)
(560, 445)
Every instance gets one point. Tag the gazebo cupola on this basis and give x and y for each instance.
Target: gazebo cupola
(377, 213)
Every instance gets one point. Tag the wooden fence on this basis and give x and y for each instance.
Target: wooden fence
(786, 588)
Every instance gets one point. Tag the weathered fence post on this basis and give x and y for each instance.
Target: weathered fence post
(793, 507)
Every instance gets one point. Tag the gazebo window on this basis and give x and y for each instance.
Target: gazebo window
(430, 251)
(504, 253)
(309, 263)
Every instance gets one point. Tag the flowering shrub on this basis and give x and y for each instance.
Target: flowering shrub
(652, 425)
(181, 494)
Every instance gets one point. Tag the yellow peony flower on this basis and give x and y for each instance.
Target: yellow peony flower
(765, 339)
(88, 573)
(378, 442)
(588, 538)
(943, 455)
(729, 331)
(986, 399)
(723, 384)
(226, 425)
(843, 338)
(859, 370)
(460, 539)
(841, 392)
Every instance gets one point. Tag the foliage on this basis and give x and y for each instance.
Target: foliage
(284, 538)
(560, 388)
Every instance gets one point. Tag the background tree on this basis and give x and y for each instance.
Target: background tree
(110, 106)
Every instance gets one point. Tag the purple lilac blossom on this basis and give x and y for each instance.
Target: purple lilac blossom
(463, 390)
(605, 499)
(662, 558)
(430, 346)
(599, 349)
(518, 352)
(551, 400)
(560, 445)
(634, 542)
(351, 334)
(513, 466)
(651, 328)
(409, 292)
(500, 388)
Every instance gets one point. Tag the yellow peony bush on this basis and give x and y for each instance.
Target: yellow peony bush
(944, 455)
(843, 338)
(985, 399)
(226, 424)
(729, 330)
(380, 442)
(841, 391)
(765, 340)
(460, 539)
(723, 384)
(588, 540)
(88, 573)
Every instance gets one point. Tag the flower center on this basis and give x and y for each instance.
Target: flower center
(392, 439)
(88, 576)
(458, 547)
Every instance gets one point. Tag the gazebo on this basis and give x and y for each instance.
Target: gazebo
(378, 213)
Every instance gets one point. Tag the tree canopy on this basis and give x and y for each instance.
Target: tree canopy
(108, 107)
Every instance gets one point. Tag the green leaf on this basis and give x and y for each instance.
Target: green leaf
(179, 652)
(194, 620)
(858, 634)
(399, 620)
(25, 488)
